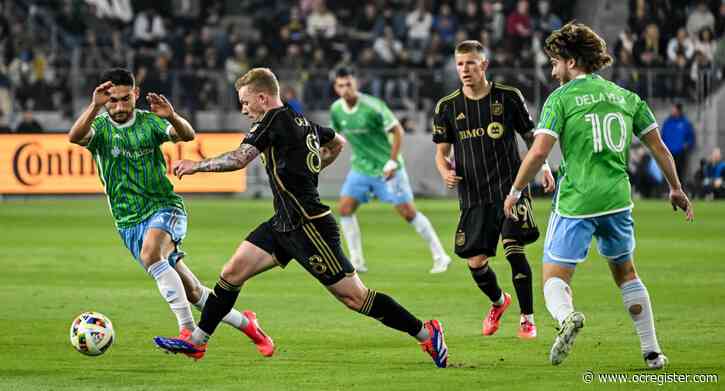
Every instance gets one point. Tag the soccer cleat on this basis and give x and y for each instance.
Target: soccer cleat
(565, 338)
(656, 360)
(181, 344)
(436, 344)
(265, 344)
(493, 319)
(527, 330)
(440, 264)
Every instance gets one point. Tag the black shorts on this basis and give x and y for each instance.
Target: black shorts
(315, 245)
(481, 226)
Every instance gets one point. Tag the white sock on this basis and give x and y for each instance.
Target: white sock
(558, 298)
(637, 303)
(352, 236)
(199, 336)
(500, 300)
(527, 317)
(423, 335)
(233, 318)
(427, 232)
(172, 290)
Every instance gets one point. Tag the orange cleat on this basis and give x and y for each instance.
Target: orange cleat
(181, 344)
(493, 319)
(265, 344)
(436, 344)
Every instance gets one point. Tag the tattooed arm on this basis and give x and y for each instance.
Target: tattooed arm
(229, 161)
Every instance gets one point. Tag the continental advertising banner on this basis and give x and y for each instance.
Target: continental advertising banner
(49, 164)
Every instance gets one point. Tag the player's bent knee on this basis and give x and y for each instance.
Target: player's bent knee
(478, 262)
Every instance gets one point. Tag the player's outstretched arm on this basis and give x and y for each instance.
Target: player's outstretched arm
(80, 132)
(443, 151)
(666, 163)
(330, 151)
(182, 129)
(229, 161)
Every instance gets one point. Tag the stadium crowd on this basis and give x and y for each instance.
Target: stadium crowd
(193, 50)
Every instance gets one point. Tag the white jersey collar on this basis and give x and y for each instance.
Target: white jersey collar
(126, 124)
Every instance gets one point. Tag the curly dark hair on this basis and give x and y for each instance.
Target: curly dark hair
(579, 42)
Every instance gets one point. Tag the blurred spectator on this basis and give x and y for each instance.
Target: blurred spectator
(419, 23)
(6, 99)
(639, 21)
(493, 20)
(679, 137)
(186, 11)
(28, 124)
(546, 21)
(647, 51)
(159, 80)
(321, 23)
(700, 18)
(704, 43)
(445, 24)
(519, 27)
(681, 44)
(625, 41)
(191, 84)
(387, 47)
(712, 172)
(646, 178)
(237, 65)
(148, 28)
(70, 20)
(471, 20)
(370, 81)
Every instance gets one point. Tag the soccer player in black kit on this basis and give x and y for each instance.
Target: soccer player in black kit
(294, 150)
(479, 120)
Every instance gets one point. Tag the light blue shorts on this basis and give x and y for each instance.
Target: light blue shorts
(171, 220)
(394, 191)
(568, 239)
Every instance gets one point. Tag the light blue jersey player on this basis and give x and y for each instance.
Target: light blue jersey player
(150, 217)
(377, 168)
(593, 120)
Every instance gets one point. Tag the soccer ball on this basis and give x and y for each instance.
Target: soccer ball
(91, 333)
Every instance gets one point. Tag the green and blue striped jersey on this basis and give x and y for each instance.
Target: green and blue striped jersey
(132, 167)
(594, 120)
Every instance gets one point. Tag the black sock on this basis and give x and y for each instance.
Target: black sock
(385, 309)
(218, 305)
(486, 280)
(520, 275)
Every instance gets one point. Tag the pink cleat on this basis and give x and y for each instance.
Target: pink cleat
(491, 323)
(435, 346)
(527, 330)
(265, 344)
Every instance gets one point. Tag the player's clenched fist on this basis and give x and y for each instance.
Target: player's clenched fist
(451, 179)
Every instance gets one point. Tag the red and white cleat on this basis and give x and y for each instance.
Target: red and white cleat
(527, 329)
(492, 320)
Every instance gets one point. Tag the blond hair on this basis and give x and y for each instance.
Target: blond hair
(470, 46)
(579, 42)
(259, 80)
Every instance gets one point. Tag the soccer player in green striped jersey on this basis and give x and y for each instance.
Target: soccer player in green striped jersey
(377, 168)
(150, 217)
(594, 120)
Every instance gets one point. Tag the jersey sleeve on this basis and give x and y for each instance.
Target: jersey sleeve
(97, 134)
(389, 119)
(643, 121)
(551, 119)
(522, 118)
(325, 134)
(442, 132)
(160, 128)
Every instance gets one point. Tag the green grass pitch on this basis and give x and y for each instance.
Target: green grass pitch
(61, 257)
